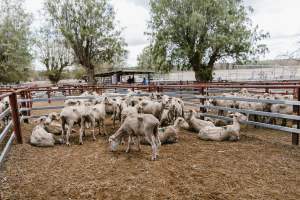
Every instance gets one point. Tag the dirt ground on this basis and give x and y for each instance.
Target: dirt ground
(263, 165)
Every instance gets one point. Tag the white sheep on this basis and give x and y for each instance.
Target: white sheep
(81, 115)
(40, 137)
(229, 132)
(169, 134)
(197, 124)
(152, 107)
(141, 125)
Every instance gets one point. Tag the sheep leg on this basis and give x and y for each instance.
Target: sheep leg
(139, 143)
(93, 128)
(151, 141)
(82, 129)
(70, 126)
(99, 127)
(104, 128)
(129, 144)
(63, 129)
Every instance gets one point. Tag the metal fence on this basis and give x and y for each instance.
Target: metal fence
(194, 95)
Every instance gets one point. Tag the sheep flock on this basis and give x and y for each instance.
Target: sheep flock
(147, 118)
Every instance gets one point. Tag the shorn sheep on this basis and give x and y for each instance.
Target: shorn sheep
(169, 134)
(80, 114)
(141, 125)
(40, 137)
(197, 124)
(229, 132)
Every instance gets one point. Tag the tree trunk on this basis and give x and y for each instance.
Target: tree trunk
(91, 75)
(203, 73)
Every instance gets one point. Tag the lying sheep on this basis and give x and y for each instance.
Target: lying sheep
(141, 125)
(40, 137)
(169, 135)
(229, 132)
(197, 124)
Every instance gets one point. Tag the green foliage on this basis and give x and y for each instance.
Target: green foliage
(191, 34)
(15, 42)
(89, 28)
(53, 52)
(145, 59)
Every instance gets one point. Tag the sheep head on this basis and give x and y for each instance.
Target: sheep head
(181, 123)
(114, 142)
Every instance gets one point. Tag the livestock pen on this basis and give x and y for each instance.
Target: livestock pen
(262, 165)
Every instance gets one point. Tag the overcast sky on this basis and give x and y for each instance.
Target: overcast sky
(278, 17)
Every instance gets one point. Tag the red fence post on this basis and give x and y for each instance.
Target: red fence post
(202, 102)
(15, 116)
(295, 136)
(49, 96)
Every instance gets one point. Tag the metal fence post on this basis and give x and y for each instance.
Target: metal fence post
(295, 136)
(15, 116)
(24, 105)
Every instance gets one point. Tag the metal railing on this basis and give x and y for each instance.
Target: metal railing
(14, 123)
(21, 102)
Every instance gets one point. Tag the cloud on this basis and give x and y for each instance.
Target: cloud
(133, 16)
(278, 17)
(143, 3)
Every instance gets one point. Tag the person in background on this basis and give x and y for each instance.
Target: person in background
(144, 81)
(129, 80)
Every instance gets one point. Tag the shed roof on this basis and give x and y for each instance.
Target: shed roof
(124, 71)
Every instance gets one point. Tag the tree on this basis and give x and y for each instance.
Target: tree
(15, 42)
(145, 59)
(89, 27)
(54, 52)
(190, 34)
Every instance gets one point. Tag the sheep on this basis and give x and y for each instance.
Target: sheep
(99, 114)
(130, 110)
(168, 116)
(72, 115)
(224, 103)
(178, 107)
(40, 137)
(151, 107)
(169, 135)
(141, 125)
(197, 124)
(229, 132)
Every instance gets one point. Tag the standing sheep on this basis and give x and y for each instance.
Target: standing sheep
(141, 125)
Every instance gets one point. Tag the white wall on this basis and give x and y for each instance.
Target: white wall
(273, 73)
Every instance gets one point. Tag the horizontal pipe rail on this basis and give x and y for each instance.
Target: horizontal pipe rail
(252, 100)
(5, 131)
(260, 113)
(6, 148)
(4, 113)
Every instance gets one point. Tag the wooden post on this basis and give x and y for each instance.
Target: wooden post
(295, 136)
(202, 110)
(49, 96)
(15, 117)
